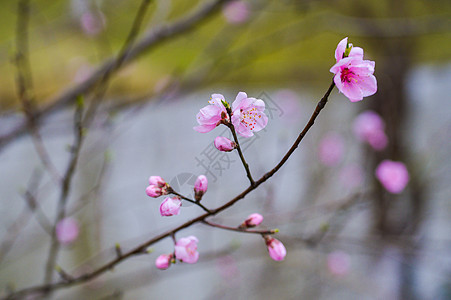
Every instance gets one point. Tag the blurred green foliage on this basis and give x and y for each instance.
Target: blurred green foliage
(283, 43)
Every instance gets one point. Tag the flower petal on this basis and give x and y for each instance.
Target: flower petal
(237, 103)
(341, 47)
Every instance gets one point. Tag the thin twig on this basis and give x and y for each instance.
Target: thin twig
(239, 229)
(139, 250)
(190, 200)
(238, 147)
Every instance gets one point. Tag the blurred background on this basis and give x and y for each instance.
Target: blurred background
(96, 96)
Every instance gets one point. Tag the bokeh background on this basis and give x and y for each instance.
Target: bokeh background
(346, 236)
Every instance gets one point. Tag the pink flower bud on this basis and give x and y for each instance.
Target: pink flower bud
(170, 206)
(67, 230)
(224, 144)
(276, 249)
(186, 249)
(252, 220)
(393, 175)
(157, 180)
(154, 191)
(200, 187)
(163, 261)
(157, 187)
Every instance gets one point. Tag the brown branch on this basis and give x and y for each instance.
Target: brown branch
(141, 249)
(189, 200)
(240, 229)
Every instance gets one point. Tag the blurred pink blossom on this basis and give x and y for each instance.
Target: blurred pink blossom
(200, 187)
(170, 206)
(212, 115)
(393, 175)
(252, 220)
(93, 22)
(163, 261)
(224, 144)
(186, 249)
(228, 268)
(248, 115)
(276, 249)
(331, 149)
(352, 176)
(338, 263)
(353, 75)
(288, 101)
(67, 230)
(236, 12)
(369, 127)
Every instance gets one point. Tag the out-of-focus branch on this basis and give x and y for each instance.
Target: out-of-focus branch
(153, 38)
(24, 84)
(142, 249)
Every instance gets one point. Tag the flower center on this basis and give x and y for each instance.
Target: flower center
(348, 76)
(249, 118)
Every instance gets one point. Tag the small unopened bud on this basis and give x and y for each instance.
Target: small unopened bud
(224, 144)
(157, 187)
(276, 249)
(252, 221)
(200, 187)
(163, 261)
(170, 206)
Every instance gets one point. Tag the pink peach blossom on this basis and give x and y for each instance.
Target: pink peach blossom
(253, 220)
(236, 12)
(393, 175)
(331, 149)
(353, 75)
(170, 206)
(248, 115)
(341, 49)
(67, 230)
(276, 249)
(186, 249)
(224, 144)
(163, 261)
(369, 127)
(93, 22)
(200, 187)
(212, 115)
(338, 263)
(352, 176)
(157, 180)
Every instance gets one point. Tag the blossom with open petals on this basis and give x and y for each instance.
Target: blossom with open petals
(393, 175)
(248, 115)
(353, 75)
(170, 206)
(186, 249)
(212, 115)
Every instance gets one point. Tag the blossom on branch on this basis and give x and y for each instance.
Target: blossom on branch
(200, 187)
(67, 230)
(186, 249)
(252, 220)
(353, 75)
(212, 115)
(163, 261)
(170, 206)
(224, 144)
(248, 115)
(393, 175)
(276, 249)
(157, 187)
